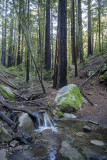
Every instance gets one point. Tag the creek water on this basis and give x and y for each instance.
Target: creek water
(44, 123)
(48, 138)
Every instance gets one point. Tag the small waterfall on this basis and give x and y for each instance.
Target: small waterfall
(44, 122)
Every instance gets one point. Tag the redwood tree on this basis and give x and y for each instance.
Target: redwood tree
(47, 37)
(74, 61)
(89, 28)
(60, 72)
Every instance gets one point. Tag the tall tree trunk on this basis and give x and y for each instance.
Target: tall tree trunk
(72, 32)
(89, 28)
(10, 48)
(52, 35)
(96, 37)
(39, 13)
(99, 19)
(4, 57)
(19, 37)
(80, 31)
(27, 64)
(102, 42)
(3, 36)
(47, 38)
(77, 32)
(60, 72)
(73, 36)
(92, 41)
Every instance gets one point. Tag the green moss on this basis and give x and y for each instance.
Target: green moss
(4, 135)
(5, 93)
(60, 114)
(90, 93)
(93, 82)
(72, 98)
(101, 78)
(18, 78)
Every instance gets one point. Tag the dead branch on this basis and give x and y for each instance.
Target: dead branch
(86, 98)
(91, 76)
(6, 81)
(15, 108)
(19, 96)
(35, 96)
(13, 124)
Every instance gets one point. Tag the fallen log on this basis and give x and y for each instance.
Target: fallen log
(35, 96)
(19, 96)
(86, 98)
(91, 76)
(13, 124)
(6, 81)
(15, 108)
(9, 73)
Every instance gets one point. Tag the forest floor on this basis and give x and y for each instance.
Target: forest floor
(97, 93)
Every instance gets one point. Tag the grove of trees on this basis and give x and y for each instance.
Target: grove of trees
(49, 36)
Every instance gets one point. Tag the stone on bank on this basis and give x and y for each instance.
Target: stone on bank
(69, 96)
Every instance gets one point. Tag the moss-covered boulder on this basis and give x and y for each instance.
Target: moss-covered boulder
(103, 74)
(6, 92)
(69, 97)
(4, 135)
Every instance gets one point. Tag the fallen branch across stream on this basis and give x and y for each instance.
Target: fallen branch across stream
(13, 124)
(15, 108)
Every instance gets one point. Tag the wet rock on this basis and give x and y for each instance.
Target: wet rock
(86, 128)
(26, 123)
(3, 153)
(80, 134)
(96, 105)
(90, 154)
(97, 142)
(14, 143)
(20, 147)
(69, 116)
(69, 139)
(25, 147)
(4, 135)
(70, 153)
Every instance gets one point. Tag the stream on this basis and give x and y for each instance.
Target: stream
(48, 139)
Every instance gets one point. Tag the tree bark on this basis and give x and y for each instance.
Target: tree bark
(99, 23)
(89, 28)
(74, 57)
(19, 37)
(80, 31)
(47, 38)
(60, 72)
(10, 48)
(27, 65)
